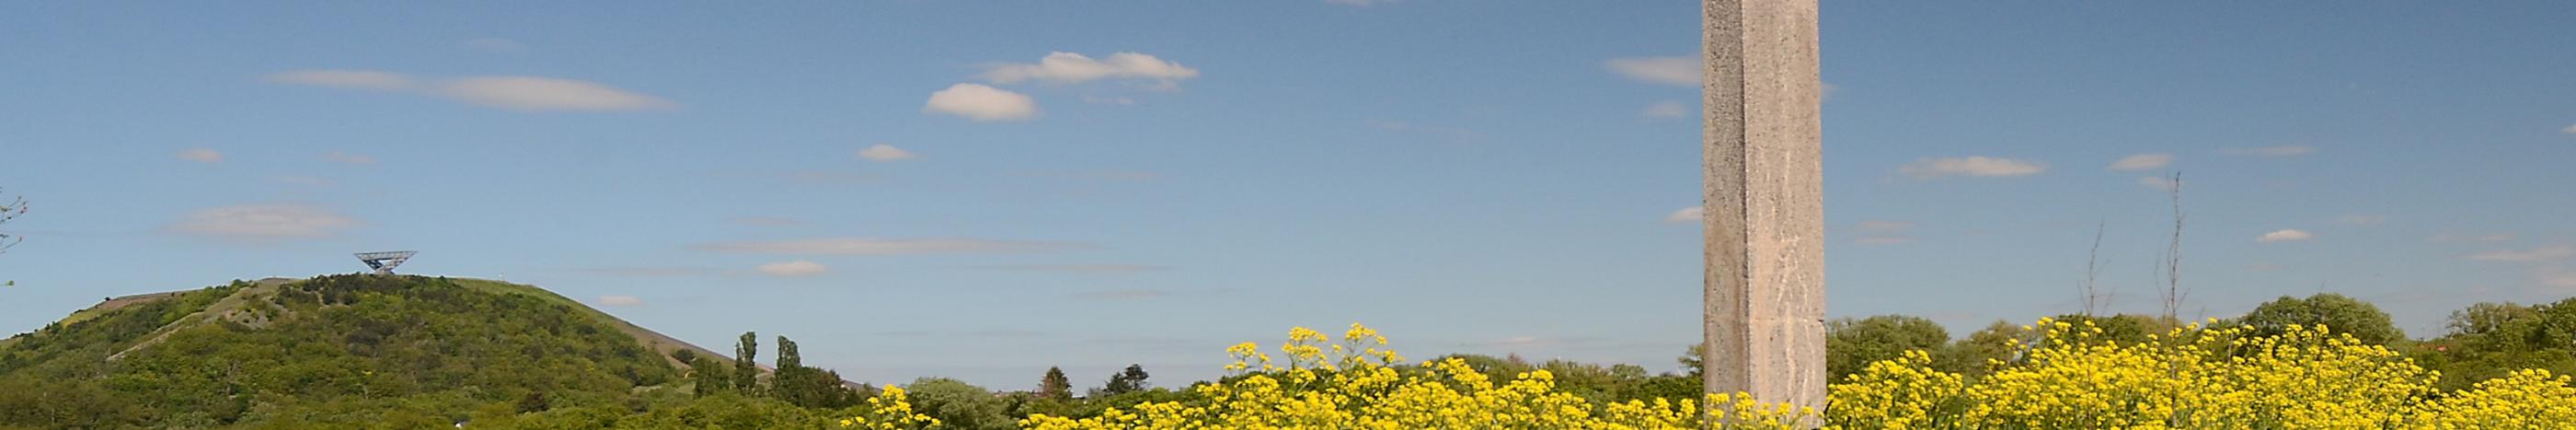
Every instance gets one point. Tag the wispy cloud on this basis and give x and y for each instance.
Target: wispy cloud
(521, 93)
(264, 222)
(530, 93)
(2546, 253)
(348, 158)
(2285, 235)
(874, 246)
(1089, 269)
(2556, 277)
(2158, 182)
(349, 79)
(620, 300)
(1068, 67)
(764, 221)
(1453, 134)
(1666, 109)
(201, 155)
(1682, 71)
(647, 272)
(981, 103)
(1883, 225)
(1527, 342)
(883, 153)
(1882, 240)
(2487, 238)
(2142, 162)
(2271, 151)
(2570, 130)
(1930, 168)
(1127, 294)
(798, 268)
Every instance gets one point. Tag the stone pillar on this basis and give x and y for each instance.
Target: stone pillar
(1765, 294)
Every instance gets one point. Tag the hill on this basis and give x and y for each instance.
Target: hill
(337, 351)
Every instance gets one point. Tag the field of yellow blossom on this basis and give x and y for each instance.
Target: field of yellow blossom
(2069, 377)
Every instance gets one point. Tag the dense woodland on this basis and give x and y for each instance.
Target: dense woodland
(365, 351)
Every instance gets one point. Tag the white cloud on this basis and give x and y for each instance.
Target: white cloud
(2546, 253)
(349, 79)
(1067, 67)
(264, 221)
(1884, 225)
(1686, 215)
(348, 158)
(2157, 182)
(2361, 219)
(884, 152)
(1360, 3)
(1666, 109)
(2284, 235)
(2569, 130)
(1683, 71)
(798, 268)
(1929, 168)
(530, 93)
(2142, 162)
(201, 155)
(620, 300)
(2272, 151)
(981, 103)
(497, 46)
(872, 246)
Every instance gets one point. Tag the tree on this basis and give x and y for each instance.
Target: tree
(2002, 341)
(711, 377)
(959, 405)
(1126, 381)
(1054, 385)
(685, 356)
(746, 375)
(2338, 313)
(9, 211)
(788, 381)
(1851, 345)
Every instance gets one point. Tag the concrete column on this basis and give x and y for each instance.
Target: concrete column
(1765, 293)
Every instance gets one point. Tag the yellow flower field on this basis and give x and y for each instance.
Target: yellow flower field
(2070, 377)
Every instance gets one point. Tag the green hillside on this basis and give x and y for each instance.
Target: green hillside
(331, 352)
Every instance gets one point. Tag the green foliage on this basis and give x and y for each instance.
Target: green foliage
(331, 351)
(1125, 381)
(2490, 340)
(2342, 314)
(1851, 345)
(960, 405)
(745, 353)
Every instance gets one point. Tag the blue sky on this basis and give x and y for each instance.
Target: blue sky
(984, 189)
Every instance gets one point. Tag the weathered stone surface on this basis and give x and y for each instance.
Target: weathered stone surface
(1764, 220)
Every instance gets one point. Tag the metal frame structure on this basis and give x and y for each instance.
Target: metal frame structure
(384, 262)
